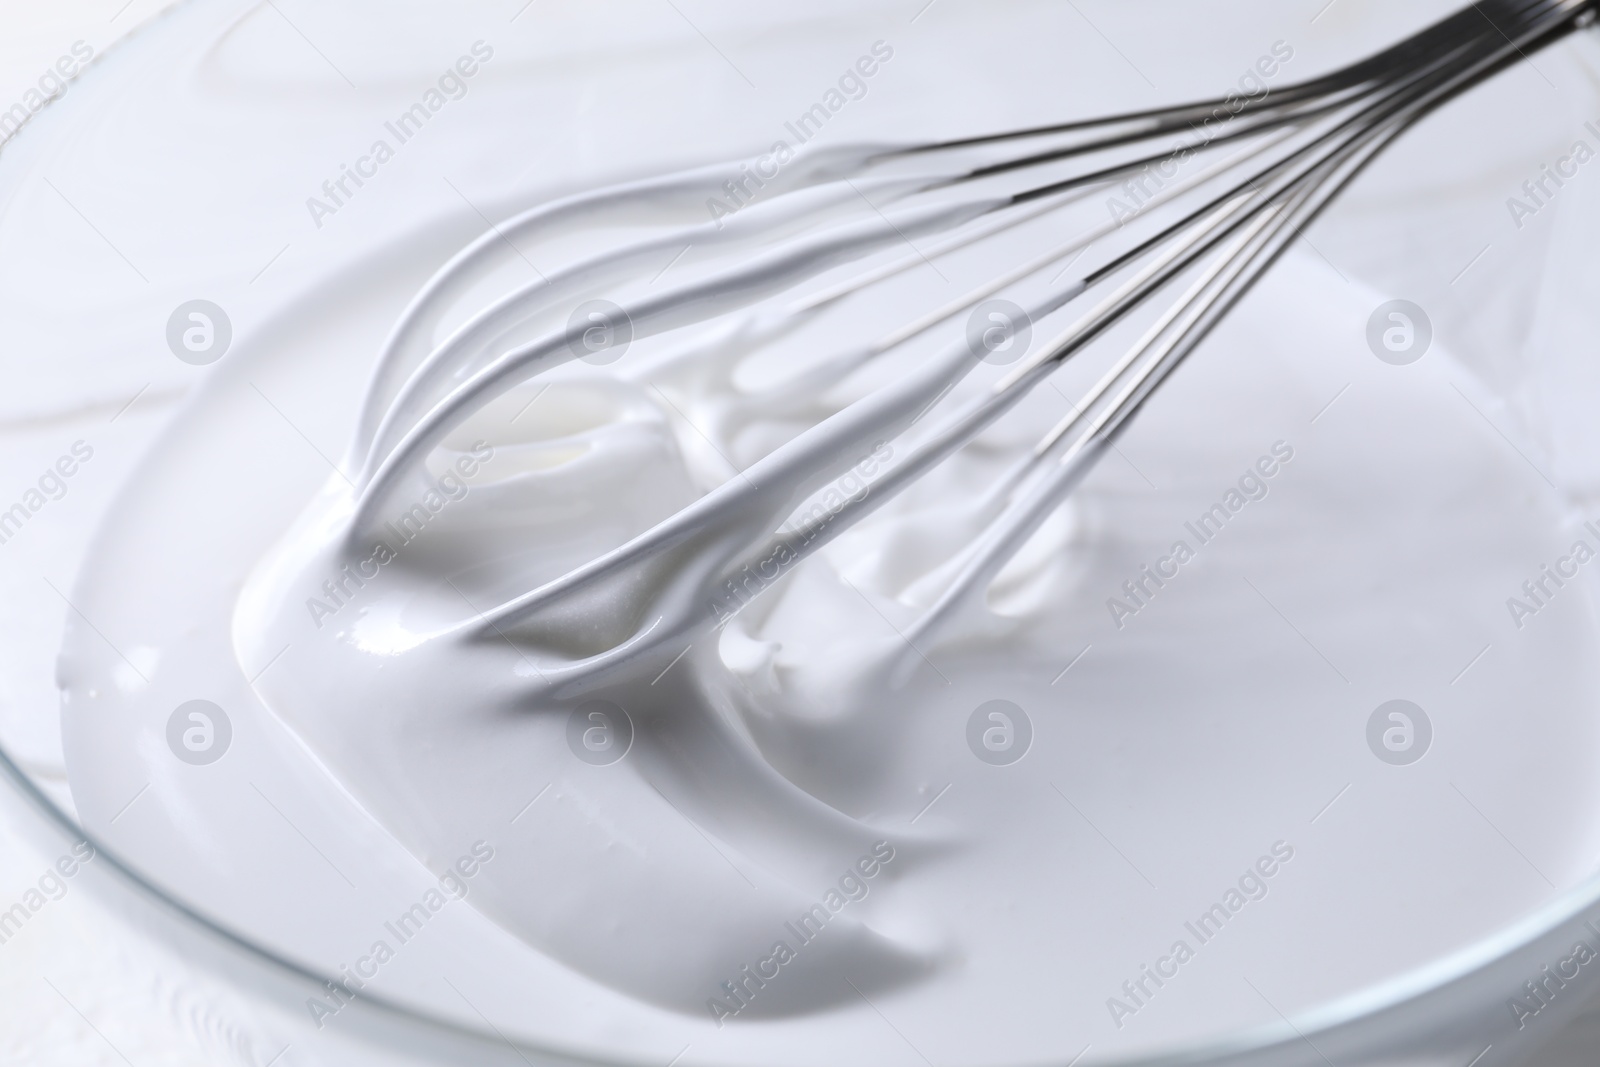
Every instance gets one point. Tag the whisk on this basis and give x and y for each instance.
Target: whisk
(1211, 194)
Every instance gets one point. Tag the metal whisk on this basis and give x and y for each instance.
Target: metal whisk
(1231, 184)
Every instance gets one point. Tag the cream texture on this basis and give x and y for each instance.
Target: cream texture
(775, 764)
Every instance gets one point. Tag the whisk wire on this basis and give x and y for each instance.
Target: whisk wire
(1300, 146)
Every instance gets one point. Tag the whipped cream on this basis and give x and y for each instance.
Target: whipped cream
(796, 844)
